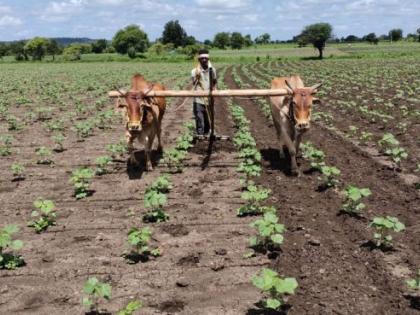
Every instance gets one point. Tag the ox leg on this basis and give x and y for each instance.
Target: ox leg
(130, 147)
(158, 132)
(291, 147)
(280, 138)
(148, 149)
(297, 144)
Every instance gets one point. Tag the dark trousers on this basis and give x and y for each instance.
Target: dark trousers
(202, 124)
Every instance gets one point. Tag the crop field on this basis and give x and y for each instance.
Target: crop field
(211, 230)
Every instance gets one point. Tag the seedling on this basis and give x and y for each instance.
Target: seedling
(330, 175)
(58, 141)
(162, 184)
(353, 131)
(155, 201)
(138, 240)
(316, 157)
(14, 124)
(184, 142)
(81, 179)
(254, 195)
(5, 145)
(17, 171)
(354, 195)
(390, 147)
(43, 154)
(117, 149)
(95, 290)
(173, 159)
(365, 137)
(44, 216)
(414, 284)
(249, 167)
(270, 232)
(383, 226)
(9, 260)
(274, 287)
(101, 164)
(130, 308)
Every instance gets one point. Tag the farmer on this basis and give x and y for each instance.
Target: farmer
(201, 81)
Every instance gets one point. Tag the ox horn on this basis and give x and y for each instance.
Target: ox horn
(289, 85)
(316, 86)
(121, 92)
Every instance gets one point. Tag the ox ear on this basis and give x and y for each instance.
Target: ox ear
(316, 87)
(316, 101)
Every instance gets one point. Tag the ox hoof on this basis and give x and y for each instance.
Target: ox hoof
(295, 172)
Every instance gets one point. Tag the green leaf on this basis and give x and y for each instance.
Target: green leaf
(272, 303)
(87, 302)
(104, 290)
(287, 285)
(277, 238)
(11, 229)
(90, 285)
(16, 245)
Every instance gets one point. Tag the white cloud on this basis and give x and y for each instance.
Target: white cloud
(5, 9)
(61, 11)
(8, 20)
(222, 4)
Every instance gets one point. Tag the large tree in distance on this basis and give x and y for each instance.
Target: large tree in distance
(317, 34)
(175, 34)
(236, 40)
(221, 40)
(131, 37)
(99, 46)
(263, 39)
(395, 34)
(37, 47)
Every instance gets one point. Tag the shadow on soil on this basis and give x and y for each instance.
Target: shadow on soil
(135, 171)
(414, 301)
(260, 310)
(276, 161)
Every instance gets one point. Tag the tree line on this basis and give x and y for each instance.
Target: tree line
(133, 41)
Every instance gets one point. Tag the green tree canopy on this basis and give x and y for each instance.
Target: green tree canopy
(263, 39)
(395, 34)
(317, 34)
(37, 47)
(236, 40)
(221, 40)
(248, 40)
(53, 48)
(175, 34)
(99, 46)
(371, 38)
(131, 36)
(3, 50)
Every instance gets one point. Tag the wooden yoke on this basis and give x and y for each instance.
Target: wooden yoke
(214, 93)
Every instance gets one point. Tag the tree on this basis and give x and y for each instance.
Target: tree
(3, 50)
(131, 36)
(73, 52)
(208, 42)
(371, 38)
(99, 46)
(395, 34)
(236, 40)
(248, 40)
(263, 39)
(221, 40)
(418, 32)
(175, 34)
(317, 34)
(18, 49)
(53, 48)
(351, 39)
(37, 47)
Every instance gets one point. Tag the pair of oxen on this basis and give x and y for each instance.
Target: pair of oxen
(291, 115)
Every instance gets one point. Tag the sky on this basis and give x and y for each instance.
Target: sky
(23, 19)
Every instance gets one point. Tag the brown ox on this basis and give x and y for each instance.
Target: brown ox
(292, 114)
(144, 116)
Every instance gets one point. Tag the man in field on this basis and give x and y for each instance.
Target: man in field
(201, 81)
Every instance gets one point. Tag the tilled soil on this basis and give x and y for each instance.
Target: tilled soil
(328, 254)
(201, 270)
